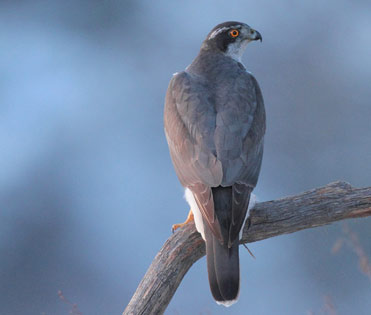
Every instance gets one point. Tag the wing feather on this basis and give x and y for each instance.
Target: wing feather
(189, 119)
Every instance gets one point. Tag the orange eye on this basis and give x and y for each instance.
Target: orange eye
(234, 33)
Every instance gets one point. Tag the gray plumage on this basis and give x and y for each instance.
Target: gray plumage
(214, 124)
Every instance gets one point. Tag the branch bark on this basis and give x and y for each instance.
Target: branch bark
(317, 207)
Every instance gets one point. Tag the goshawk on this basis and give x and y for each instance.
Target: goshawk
(214, 124)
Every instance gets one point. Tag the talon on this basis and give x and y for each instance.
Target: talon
(179, 225)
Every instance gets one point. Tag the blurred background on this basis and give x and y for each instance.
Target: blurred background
(88, 193)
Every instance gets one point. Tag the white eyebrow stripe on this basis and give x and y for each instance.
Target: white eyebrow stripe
(222, 29)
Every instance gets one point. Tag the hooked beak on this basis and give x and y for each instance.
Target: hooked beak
(257, 36)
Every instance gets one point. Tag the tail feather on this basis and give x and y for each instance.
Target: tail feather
(222, 255)
(213, 281)
(227, 269)
(223, 270)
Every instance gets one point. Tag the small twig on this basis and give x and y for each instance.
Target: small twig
(352, 241)
(252, 255)
(74, 308)
(329, 307)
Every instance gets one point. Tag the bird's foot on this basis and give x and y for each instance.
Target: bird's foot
(179, 225)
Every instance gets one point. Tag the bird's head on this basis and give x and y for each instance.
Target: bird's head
(231, 38)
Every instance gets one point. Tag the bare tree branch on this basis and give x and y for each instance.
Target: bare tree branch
(321, 206)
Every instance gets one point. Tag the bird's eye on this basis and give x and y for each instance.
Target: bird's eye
(234, 33)
(251, 31)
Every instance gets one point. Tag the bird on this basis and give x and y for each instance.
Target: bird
(214, 121)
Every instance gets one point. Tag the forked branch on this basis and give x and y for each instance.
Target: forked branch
(320, 206)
